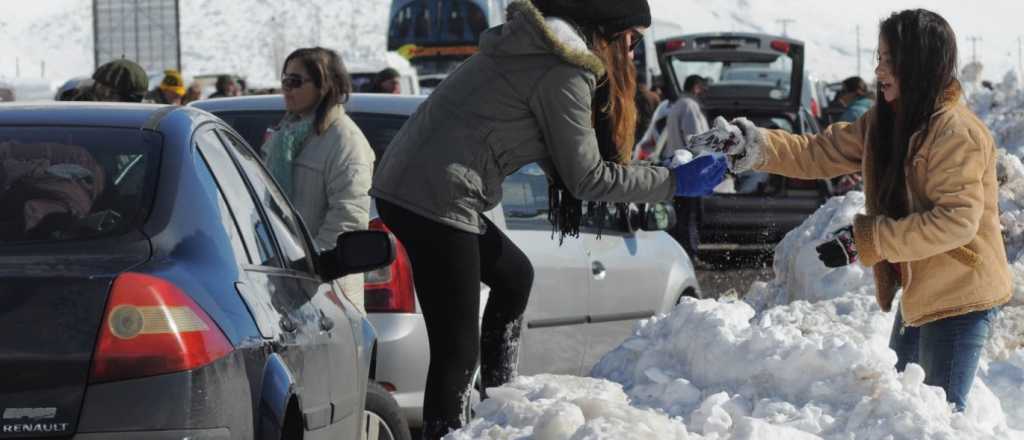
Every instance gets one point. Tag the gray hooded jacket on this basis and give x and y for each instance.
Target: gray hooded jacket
(525, 97)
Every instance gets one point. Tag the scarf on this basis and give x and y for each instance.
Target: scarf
(565, 211)
(284, 146)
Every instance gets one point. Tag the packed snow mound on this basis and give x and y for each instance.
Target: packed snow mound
(799, 274)
(547, 407)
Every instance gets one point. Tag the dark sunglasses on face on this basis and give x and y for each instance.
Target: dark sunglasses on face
(293, 81)
(635, 38)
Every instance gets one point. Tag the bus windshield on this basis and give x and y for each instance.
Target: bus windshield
(436, 23)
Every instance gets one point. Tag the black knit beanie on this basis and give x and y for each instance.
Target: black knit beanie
(609, 17)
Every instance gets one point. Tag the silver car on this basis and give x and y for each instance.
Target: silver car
(587, 292)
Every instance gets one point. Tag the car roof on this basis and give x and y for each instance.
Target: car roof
(357, 103)
(732, 34)
(96, 114)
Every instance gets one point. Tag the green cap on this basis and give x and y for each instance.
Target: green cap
(124, 76)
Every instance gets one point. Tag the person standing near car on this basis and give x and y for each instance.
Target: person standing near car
(525, 97)
(170, 91)
(932, 222)
(686, 118)
(855, 99)
(227, 87)
(318, 155)
(121, 80)
(387, 81)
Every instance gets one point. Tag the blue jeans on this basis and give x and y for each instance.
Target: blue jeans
(948, 350)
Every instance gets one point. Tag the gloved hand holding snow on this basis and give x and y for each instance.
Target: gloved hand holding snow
(745, 157)
(699, 177)
(679, 157)
(723, 137)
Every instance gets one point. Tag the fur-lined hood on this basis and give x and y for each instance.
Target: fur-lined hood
(527, 32)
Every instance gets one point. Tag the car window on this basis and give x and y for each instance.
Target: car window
(254, 229)
(525, 198)
(252, 125)
(283, 220)
(68, 183)
(379, 129)
(227, 218)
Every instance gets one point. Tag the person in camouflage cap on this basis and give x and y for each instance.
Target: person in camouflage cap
(120, 80)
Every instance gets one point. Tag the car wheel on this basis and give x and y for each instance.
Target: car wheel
(382, 418)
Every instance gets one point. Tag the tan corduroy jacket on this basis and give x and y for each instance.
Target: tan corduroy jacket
(950, 248)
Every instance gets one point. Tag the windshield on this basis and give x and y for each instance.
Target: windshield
(65, 183)
(740, 79)
(447, 22)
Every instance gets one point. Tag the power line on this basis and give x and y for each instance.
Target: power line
(784, 22)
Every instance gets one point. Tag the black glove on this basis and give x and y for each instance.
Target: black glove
(841, 250)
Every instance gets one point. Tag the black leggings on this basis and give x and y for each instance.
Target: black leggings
(448, 266)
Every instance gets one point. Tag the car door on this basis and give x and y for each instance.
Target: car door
(335, 338)
(271, 288)
(553, 338)
(627, 283)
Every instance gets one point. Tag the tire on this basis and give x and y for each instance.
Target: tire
(382, 418)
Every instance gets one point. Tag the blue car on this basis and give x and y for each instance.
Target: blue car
(156, 284)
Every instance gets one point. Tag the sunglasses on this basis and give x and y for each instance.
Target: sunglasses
(635, 38)
(293, 81)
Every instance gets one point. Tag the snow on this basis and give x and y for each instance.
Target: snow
(804, 356)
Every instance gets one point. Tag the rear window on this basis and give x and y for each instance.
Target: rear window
(378, 128)
(770, 80)
(68, 183)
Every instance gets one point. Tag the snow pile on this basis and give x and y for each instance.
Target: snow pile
(717, 370)
(799, 274)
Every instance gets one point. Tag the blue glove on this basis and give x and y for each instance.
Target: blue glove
(700, 176)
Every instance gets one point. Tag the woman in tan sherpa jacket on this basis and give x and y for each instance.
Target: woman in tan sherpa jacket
(932, 222)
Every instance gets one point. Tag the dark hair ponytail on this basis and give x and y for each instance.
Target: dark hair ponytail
(922, 47)
(328, 72)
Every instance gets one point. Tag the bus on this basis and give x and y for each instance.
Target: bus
(437, 35)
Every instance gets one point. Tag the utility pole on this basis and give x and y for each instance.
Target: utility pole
(858, 50)
(784, 22)
(974, 48)
(1020, 57)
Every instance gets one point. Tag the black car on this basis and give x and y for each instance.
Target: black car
(760, 77)
(156, 284)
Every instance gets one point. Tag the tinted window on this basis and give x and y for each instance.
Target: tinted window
(379, 129)
(227, 218)
(255, 233)
(252, 125)
(435, 22)
(65, 183)
(283, 220)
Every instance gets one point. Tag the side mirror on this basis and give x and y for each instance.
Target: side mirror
(357, 252)
(656, 216)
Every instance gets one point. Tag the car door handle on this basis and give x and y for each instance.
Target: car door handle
(598, 269)
(288, 325)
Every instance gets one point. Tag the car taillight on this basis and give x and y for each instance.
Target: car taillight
(781, 46)
(151, 327)
(675, 45)
(390, 288)
(815, 110)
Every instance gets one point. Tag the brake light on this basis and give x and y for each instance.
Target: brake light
(815, 110)
(151, 327)
(781, 46)
(675, 45)
(390, 288)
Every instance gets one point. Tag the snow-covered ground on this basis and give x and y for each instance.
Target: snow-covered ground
(804, 356)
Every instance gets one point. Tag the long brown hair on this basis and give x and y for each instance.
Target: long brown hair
(621, 104)
(923, 50)
(329, 75)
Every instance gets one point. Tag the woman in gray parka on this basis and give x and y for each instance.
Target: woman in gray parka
(319, 156)
(525, 97)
